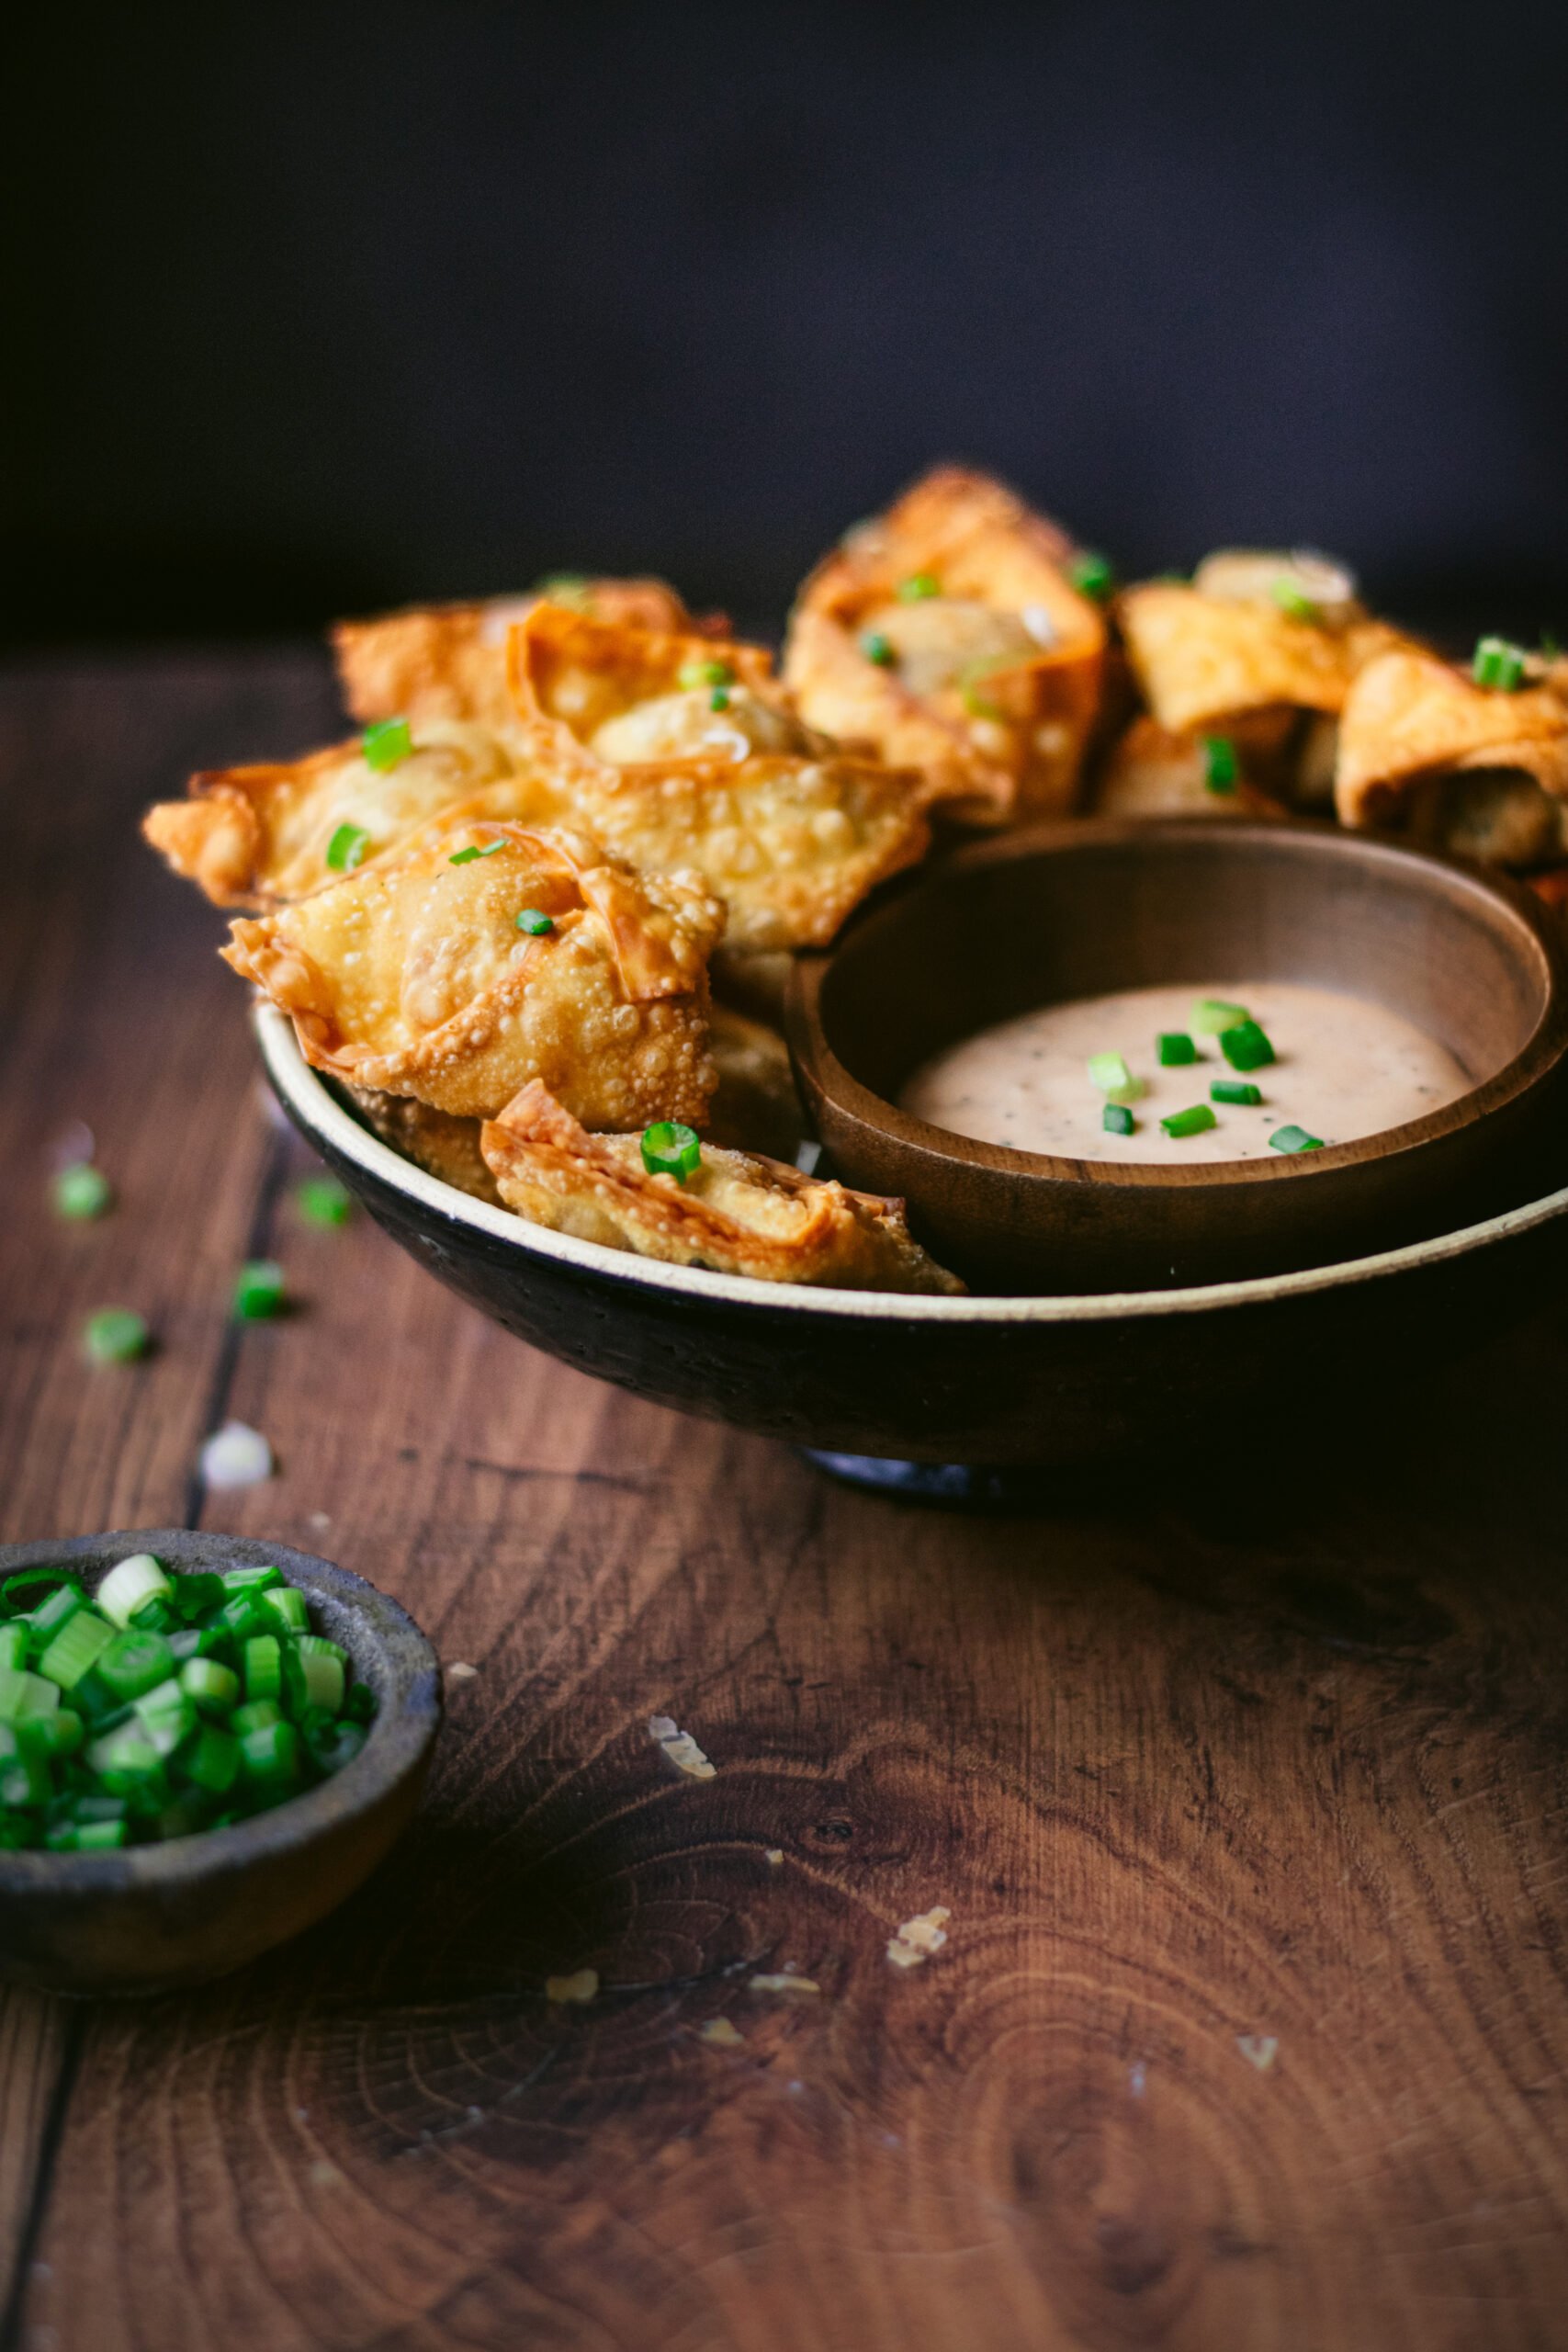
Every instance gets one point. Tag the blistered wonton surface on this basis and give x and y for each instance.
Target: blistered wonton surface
(255, 836)
(737, 1214)
(947, 637)
(1151, 771)
(449, 661)
(416, 977)
(1411, 715)
(683, 751)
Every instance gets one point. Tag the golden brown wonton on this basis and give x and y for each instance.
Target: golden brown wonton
(947, 637)
(257, 836)
(438, 1141)
(449, 661)
(738, 1214)
(682, 751)
(1150, 771)
(755, 1106)
(1473, 768)
(1224, 648)
(414, 978)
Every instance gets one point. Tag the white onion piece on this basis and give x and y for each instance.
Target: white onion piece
(236, 1456)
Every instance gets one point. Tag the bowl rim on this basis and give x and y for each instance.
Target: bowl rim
(396, 1745)
(318, 1113)
(1540, 1052)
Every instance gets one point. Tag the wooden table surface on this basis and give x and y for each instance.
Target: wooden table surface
(1247, 1799)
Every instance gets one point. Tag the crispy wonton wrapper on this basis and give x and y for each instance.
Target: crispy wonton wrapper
(449, 661)
(755, 1106)
(1152, 771)
(1209, 653)
(680, 751)
(414, 977)
(738, 1214)
(438, 1141)
(259, 836)
(1476, 769)
(946, 637)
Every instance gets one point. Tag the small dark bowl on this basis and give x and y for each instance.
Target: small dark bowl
(149, 1918)
(1064, 1383)
(1084, 909)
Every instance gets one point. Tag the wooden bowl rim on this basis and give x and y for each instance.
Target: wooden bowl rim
(321, 1117)
(1538, 1056)
(398, 1742)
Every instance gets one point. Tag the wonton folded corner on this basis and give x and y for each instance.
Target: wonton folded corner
(491, 954)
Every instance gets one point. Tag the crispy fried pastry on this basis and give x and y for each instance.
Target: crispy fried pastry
(755, 1106)
(680, 751)
(438, 1141)
(737, 1214)
(1153, 772)
(449, 661)
(1474, 769)
(259, 836)
(1254, 633)
(416, 977)
(947, 637)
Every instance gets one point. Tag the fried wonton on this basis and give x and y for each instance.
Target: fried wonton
(947, 637)
(1474, 769)
(737, 1214)
(682, 752)
(493, 954)
(755, 1106)
(438, 1141)
(1256, 635)
(260, 835)
(1150, 771)
(449, 661)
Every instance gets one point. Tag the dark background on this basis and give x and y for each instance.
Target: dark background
(313, 309)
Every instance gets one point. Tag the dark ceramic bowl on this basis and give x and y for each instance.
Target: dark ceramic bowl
(150, 1917)
(1056, 1382)
(1081, 910)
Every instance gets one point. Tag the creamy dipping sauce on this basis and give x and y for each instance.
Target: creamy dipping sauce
(1344, 1068)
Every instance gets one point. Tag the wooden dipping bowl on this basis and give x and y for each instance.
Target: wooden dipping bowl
(1084, 909)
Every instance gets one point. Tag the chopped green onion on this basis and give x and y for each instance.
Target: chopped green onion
(127, 1587)
(14, 1646)
(287, 1604)
(81, 1191)
(1293, 600)
(248, 1580)
(270, 1756)
(1212, 1016)
(77, 1648)
(133, 1663)
(346, 848)
(1092, 575)
(1220, 767)
(214, 1688)
(692, 675)
(199, 1594)
(322, 1200)
(670, 1149)
(1245, 1046)
(258, 1294)
(1117, 1120)
(263, 1660)
(467, 856)
(878, 648)
(720, 698)
(534, 921)
(212, 1760)
(386, 744)
(1294, 1138)
(254, 1715)
(1235, 1089)
(23, 1694)
(918, 587)
(1110, 1074)
(115, 1335)
(1174, 1048)
(56, 1609)
(1498, 665)
(1190, 1122)
(323, 1683)
(166, 1715)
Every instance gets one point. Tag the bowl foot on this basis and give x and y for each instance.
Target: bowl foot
(949, 1486)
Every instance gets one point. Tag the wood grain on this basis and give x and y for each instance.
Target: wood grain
(1247, 1804)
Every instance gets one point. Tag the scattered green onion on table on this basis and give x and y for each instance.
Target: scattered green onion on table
(163, 1704)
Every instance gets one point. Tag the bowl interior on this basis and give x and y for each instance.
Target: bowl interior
(1063, 912)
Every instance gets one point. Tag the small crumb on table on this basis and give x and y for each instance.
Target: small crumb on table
(920, 1937)
(679, 1747)
(722, 2035)
(580, 1986)
(784, 1983)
